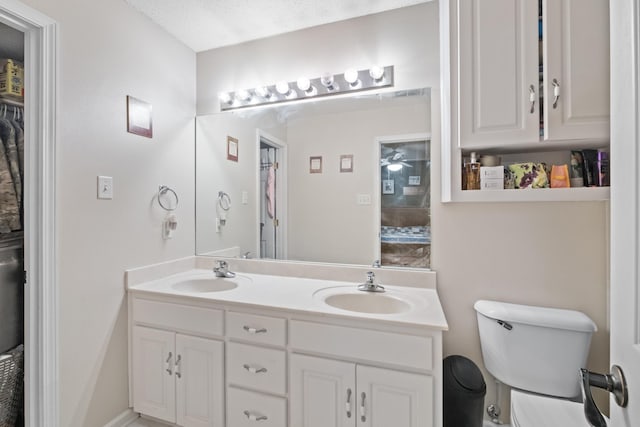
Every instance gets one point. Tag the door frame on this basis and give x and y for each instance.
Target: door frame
(281, 189)
(41, 305)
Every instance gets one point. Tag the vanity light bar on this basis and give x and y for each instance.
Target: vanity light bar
(329, 84)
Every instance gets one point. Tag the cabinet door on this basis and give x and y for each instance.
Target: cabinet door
(153, 369)
(322, 392)
(576, 47)
(199, 382)
(497, 72)
(391, 398)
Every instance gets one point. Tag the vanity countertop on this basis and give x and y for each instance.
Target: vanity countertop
(298, 295)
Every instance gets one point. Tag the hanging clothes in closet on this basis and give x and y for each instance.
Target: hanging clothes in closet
(11, 167)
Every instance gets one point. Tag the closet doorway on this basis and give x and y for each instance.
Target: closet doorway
(272, 195)
(37, 208)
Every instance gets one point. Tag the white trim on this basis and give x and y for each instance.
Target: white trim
(41, 305)
(445, 102)
(124, 419)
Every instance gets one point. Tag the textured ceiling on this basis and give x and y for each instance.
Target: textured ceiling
(208, 24)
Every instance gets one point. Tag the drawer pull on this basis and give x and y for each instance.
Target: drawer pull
(254, 330)
(363, 417)
(253, 369)
(168, 362)
(178, 367)
(255, 417)
(348, 405)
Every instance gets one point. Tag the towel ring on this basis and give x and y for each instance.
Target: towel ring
(162, 190)
(224, 201)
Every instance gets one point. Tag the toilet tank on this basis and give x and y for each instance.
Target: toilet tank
(537, 349)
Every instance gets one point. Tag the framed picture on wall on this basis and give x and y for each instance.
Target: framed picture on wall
(139, 117)
(315, 164)
(414, 180)
(388, 186)
(232, 149)
(346, 163)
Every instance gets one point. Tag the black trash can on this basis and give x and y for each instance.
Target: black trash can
(464, 391)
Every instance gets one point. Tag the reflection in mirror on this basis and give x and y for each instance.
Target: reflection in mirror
(307, 180)
(405, 234)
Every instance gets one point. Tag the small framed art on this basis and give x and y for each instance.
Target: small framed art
(139, 117)
(346, 163)
(315, 164)
(388, 186)
(232, 148)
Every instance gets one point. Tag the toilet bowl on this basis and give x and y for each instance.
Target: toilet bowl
(538, 351)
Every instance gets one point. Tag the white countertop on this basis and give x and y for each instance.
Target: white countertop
(301, 295)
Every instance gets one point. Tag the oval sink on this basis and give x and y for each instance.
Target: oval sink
(208, 284)
(362, 302)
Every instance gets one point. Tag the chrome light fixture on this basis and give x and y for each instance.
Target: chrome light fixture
(327, 84)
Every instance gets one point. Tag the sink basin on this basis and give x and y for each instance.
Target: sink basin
(363, 302)
(208, 284)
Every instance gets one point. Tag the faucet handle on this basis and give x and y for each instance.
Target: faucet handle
(370, 276)
(222, 263)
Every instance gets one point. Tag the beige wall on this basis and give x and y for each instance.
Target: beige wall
(551, 254)
(108, 51)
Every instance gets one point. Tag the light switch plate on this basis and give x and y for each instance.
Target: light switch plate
(364, 199)
(105, 187)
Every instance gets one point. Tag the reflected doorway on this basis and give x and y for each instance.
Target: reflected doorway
(405, 201)
(272, 197)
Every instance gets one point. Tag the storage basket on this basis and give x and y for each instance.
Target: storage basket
(11, 79)
(11, 381)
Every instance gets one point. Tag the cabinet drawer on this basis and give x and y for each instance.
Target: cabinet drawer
(256, 367)
(248, 409)
(377, 346)
(197, 320)
(258, 329)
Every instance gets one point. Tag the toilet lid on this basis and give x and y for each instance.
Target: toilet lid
(530, 410)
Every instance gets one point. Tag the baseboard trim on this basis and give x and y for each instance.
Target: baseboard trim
(124, 419)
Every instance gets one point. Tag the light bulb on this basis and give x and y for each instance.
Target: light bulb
(282, 88)
(351, 76)
(243, 95)
(225, 98)
(304, 84)
(327, 81)
(263, 92)
(376, 72)
(394, 167)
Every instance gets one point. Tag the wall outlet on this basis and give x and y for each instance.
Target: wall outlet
(105, 187)
(363, 199)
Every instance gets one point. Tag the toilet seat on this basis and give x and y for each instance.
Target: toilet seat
(531, 410)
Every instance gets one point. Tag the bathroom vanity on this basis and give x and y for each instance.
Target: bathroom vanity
(280, 350)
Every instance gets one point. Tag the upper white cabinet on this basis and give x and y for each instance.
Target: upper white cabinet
(499, 66)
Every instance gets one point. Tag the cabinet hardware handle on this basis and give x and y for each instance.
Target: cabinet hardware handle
(254, 330)
(556, 92)
(532, 98)
(178, 368)
(363, 417)
(255, 417)
(348, 405)
(253, 369)
(168, 362)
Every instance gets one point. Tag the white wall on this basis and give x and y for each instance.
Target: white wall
(551, 254)
(107, 51)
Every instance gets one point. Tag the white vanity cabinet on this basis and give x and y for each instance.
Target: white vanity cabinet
(326, 392)
(330, 393)
(177, 377)
(498, 68)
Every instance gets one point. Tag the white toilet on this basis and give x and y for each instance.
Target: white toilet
(537, 351)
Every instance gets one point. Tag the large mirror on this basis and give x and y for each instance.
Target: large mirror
(342, 180)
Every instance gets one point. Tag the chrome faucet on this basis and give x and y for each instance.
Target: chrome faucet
(370, 285)
(246, 255)
(222, 270)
